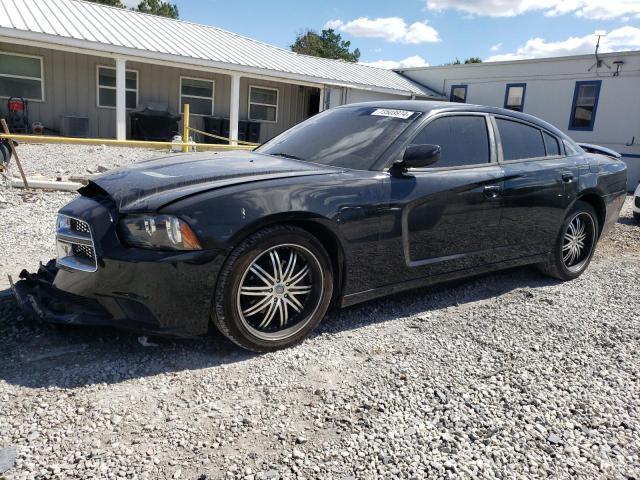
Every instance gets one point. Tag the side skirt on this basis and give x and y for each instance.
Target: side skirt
(386, 290)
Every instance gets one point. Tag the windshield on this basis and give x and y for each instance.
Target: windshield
(348, 137)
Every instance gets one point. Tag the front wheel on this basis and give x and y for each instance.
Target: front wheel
(274, 289)
(575, 244)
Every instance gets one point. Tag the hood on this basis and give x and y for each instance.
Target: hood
(147, 186)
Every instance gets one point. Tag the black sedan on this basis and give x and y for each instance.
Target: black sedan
(355, 203)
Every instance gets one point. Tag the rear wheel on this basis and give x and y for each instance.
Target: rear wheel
(274, 289)
(575, 244)
(636, 215)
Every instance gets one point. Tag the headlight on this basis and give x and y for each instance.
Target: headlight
(161, 232)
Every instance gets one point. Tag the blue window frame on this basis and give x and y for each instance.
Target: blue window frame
(585, 104)
(458, 93)
(514, 96)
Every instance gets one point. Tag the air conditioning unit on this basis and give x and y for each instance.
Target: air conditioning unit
(74, 126)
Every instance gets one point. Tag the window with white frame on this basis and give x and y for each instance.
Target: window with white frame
(107, 87)
(198, 93)
(263, 104)
(21, 76)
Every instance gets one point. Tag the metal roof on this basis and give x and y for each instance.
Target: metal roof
(82, 24)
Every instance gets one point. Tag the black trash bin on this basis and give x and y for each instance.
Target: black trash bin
(247, 131)
(154, 124)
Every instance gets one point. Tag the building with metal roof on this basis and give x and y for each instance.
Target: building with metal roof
(131, 59)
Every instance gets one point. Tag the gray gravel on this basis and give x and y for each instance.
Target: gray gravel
(511, 375)
(53, 160)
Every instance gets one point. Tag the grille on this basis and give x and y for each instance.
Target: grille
(83, 251)
(79, 226)
(74, 243)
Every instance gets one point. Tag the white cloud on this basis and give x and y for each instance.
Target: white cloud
(391, 29)
(333, 24)
(409, 62)
(496, 47)
(591, 9)
(623, 38)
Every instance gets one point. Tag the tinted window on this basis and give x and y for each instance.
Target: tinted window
(463, 140)
(349, 137)
(571, 148)
(519, 140)
(552, 145)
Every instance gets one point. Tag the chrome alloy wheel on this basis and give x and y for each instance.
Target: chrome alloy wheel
(578, 241)
(280, 292)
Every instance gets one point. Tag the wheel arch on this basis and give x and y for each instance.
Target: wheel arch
(594, 198)
(319, 227)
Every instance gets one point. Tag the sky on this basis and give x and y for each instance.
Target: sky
(410, 33)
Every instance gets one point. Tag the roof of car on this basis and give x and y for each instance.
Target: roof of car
(429, 106)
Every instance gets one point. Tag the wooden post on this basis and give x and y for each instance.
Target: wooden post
(5, 127)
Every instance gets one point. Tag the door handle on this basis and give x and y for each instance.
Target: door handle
(567, 177)
(492, 191)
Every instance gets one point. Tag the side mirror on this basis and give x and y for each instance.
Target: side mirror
(419, 155)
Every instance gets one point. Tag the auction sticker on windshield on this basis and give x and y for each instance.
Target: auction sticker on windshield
(386, 112)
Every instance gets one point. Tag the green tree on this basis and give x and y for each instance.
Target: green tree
(154, 7)
(113, 3)
(328, 44)
(467, 61)
(158, 7)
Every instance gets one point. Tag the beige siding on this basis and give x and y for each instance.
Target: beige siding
(160, 84)
(290, 106)
(70, 89)
(69, 84)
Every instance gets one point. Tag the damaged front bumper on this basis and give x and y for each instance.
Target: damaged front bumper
(152, 292)
(36, 296)
(40, 296)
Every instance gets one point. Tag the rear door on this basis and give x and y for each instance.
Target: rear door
(444, 217)
(537, 177)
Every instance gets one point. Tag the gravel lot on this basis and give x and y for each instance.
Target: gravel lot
(510, 375)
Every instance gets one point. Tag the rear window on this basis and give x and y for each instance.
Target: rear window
(463, 140)
(520, 141)
(571, 148)
(551, 144)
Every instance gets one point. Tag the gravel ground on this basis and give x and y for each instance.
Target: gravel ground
(510, 375)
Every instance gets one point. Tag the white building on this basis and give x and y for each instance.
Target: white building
(593, 102)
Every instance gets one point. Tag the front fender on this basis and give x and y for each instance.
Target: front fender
(346, 204)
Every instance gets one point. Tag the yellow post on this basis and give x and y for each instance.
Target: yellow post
(185, 127)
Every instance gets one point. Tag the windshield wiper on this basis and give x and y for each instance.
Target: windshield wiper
(286, 155)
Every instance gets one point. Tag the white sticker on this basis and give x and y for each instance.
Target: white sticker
(386, 112)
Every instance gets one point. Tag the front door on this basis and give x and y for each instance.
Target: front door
(444, 217)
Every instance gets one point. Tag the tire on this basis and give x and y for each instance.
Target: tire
(262, 313)
(636, 215)
(558, 266)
